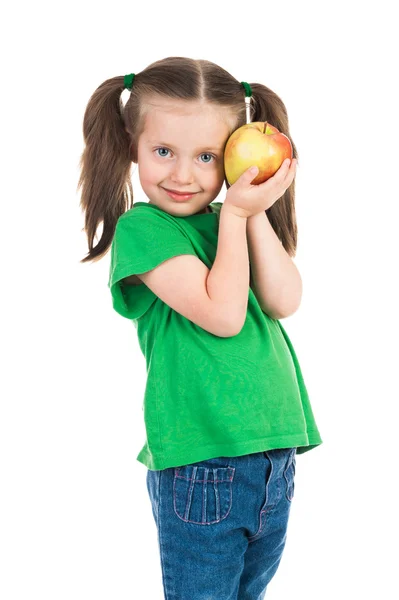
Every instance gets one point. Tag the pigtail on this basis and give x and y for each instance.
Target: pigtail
(268, 106)
(105, 166)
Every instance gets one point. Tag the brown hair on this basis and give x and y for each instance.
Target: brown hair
(111, 134)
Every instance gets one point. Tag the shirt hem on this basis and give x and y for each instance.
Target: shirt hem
(303, 443)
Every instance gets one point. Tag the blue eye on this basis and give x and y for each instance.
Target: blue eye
(206, 154)
(203, 154)
(156, 150)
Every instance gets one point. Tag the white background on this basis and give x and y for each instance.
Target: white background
(75, 517)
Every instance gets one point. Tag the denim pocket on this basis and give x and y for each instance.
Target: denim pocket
(289, 475)
(203, 495)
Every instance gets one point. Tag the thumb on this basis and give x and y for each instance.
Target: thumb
(249, 175)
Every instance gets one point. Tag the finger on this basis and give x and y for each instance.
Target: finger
(285, 167)
(291, 174)
(289, 170)
(293, 166)
(280, 175)
(282, 171)
(249, 175)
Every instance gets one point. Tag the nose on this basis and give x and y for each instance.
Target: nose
(182, 173)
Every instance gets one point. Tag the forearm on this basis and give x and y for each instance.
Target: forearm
(276, 281)
(228, 279)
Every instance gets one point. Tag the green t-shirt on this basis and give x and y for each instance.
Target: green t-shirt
(206, 396)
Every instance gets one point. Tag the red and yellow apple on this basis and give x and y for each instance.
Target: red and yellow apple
(260, 144)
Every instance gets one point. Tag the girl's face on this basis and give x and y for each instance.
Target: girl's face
(181, 149)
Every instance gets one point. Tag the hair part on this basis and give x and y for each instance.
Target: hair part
(111, 133)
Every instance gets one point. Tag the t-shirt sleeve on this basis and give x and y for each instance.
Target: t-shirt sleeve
(143, 239)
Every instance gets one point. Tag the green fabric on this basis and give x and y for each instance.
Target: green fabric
(128, 81)
(206, 396)
(247, 87)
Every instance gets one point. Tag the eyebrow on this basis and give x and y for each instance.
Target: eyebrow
(213, 148)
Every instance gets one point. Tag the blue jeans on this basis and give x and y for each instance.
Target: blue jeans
(222, 524)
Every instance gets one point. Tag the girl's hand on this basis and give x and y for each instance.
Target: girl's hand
(246, 200)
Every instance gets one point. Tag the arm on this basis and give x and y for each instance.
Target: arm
(215, 299)
(228, 280)
(276, 281)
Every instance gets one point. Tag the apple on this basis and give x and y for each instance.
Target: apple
(260, 144)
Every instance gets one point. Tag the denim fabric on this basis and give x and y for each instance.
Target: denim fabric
(222, 524)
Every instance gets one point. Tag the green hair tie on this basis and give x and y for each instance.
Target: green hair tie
(247, 87)
(128, 81)
(248, 94)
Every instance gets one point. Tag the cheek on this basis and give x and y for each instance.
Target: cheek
(145, 165)
(146, 180)
(218, 177)
(152, 171)
(147, 174)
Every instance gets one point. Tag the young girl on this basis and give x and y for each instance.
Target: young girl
(225, 407)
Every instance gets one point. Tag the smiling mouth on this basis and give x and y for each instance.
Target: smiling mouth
(180, 193)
